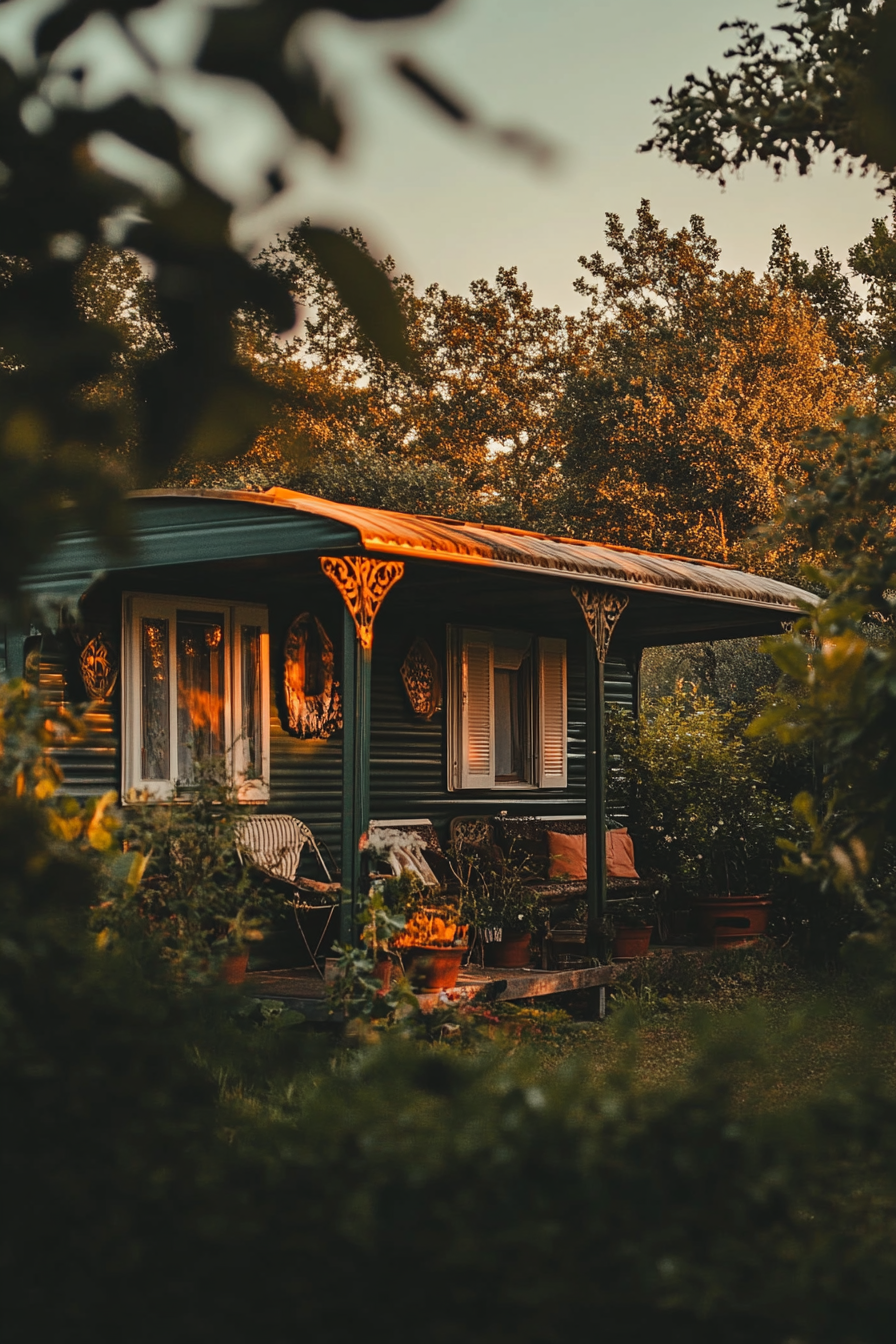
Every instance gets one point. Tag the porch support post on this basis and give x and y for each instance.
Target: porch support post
(363, 583)
(595, 797)
(356, 665)
(601, 609)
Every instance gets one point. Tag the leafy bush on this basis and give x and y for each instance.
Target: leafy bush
(189, 892)
(167, 1173)
(702, 811)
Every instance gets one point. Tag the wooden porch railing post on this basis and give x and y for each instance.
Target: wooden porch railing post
(363, 583)
(601, 608)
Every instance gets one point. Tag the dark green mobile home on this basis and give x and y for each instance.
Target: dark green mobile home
(354, 663)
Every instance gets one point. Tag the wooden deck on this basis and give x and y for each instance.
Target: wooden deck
(307, 992)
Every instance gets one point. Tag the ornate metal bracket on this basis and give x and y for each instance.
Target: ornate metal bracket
(363, 583)
(601, 608)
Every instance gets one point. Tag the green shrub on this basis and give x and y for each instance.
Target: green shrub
(701, 808)
(168, 1174)
(192, 896)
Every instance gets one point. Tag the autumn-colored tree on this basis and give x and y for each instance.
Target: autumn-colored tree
(698, 388)
(667, 415)
(470, 429)
(113, 290)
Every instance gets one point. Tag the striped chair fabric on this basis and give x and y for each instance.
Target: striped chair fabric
(274, 843)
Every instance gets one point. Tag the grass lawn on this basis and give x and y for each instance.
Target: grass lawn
(807, 1029)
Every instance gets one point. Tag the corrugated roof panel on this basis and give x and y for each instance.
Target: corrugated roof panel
(415, 536)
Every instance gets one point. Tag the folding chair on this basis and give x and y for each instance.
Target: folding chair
(273, 844)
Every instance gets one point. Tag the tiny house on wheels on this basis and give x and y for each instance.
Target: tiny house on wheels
(353, 662)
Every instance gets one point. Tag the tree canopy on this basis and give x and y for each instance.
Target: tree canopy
(667, 414)
(825, 85)
(696, 388)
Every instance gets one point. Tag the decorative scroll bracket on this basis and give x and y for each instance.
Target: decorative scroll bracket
(363, 583)
(601, 608)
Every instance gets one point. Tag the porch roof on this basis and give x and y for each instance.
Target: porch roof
(425, 537)
(188, 526)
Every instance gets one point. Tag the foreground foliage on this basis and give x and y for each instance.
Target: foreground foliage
(195, 1164)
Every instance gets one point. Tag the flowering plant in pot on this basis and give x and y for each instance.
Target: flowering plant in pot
(417, 930)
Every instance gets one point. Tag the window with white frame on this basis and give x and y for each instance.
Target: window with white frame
(195, 678)
(506, 710)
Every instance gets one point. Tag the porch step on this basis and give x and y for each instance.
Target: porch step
(305, 992)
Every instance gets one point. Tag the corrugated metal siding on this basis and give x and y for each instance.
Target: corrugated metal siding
(408, 766)
(306, 780)
(91, 764)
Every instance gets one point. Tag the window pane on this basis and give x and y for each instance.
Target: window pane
(200, 690)
(154, 745)
(250, 639)
(512, 716)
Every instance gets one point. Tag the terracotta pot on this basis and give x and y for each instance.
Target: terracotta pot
(725, 921)
(432, 968)
(383, 971)
(633, 941)
(233, 968)
(514, 949)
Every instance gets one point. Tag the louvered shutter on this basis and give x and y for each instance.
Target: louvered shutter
(477, 711)
(552, 713)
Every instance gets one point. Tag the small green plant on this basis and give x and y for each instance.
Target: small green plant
(188, 890)
(494, 891)
(357, 990)
(628, 913)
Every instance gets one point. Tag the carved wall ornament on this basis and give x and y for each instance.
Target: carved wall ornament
(363, 583)
(313, 702)
(601, 608)
(98, 665)
(422, 679)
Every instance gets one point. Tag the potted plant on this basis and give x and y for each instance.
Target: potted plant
(630, 924)
(504, 910)
(430, 941)
(432, 945)
(704, 809)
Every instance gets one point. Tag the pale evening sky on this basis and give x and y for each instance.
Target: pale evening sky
(582, 73)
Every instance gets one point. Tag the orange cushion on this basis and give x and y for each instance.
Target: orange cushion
(567, 857)
(620, 854)
(568, 862)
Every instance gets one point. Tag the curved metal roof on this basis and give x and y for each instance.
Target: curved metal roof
(422, 537)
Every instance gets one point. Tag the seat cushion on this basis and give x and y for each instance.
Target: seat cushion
(620, 854)
(567, 857)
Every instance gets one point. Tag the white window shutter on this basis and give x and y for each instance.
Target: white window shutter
(477, 710)
(552, 713)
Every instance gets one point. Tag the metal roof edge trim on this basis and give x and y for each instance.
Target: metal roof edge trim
(370, 524)
(600, 580)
